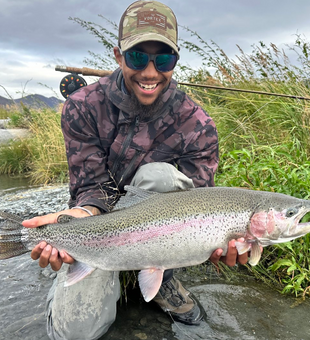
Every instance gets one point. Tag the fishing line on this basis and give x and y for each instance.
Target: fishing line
(27, 324)
(182, 330)
(176, 324)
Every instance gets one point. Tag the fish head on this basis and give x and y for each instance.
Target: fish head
(281, 222)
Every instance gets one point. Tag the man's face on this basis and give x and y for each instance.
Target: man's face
(148, 84)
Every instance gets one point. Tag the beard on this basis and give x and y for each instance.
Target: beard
(145, 112)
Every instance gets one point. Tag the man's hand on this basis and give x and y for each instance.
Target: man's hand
(231, 257)
(49, 255)
(45, 252)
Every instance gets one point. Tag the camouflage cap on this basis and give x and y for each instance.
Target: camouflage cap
(148, 21)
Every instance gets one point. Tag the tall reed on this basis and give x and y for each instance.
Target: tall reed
(42, 154)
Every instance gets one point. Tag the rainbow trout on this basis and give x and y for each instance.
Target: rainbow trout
(152, 232)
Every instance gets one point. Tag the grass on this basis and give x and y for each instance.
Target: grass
(8, 111)
(41, 156)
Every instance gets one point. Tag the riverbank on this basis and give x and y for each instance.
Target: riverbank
(243, 310)
(7, 134)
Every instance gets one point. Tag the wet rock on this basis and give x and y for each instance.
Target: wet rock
(166, 328)
(163, 320)
(49, 273)
(143, 322)
(160, 330)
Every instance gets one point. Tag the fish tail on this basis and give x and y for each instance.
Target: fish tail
(11, 235)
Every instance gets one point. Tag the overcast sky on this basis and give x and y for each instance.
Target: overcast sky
(36, 35)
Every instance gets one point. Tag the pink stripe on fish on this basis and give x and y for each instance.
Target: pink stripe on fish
(131, 237)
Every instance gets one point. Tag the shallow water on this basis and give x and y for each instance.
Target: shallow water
(247, 312)
(10, 184)
(234, 311)
(23, 289)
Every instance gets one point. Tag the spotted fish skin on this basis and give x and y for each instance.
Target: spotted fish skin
(174, 229)
(167, 230)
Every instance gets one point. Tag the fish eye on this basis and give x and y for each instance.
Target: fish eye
(291, 212)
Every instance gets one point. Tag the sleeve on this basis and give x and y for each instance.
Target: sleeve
(200, 157)
(90, 183)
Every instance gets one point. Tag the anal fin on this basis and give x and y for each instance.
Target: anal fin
(150, 281)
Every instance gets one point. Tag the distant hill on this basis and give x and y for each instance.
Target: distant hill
(34, 101)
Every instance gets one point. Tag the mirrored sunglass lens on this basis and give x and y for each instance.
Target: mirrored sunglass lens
(166, 62)
(136, 60)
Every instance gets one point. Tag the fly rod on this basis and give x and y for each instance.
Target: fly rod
(85, 71)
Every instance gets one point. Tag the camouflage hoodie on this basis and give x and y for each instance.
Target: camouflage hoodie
(106, 142)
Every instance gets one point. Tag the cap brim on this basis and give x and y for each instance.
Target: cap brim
(128, 43)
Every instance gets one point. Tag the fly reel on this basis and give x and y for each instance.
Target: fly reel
(71, 83)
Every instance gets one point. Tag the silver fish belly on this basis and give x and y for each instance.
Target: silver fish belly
(170, 230)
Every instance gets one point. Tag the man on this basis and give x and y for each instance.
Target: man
(131, 127)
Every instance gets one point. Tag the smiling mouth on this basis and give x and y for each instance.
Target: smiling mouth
(147, 87)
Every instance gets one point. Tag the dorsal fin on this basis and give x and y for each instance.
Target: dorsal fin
(11, 217)
(133, 196)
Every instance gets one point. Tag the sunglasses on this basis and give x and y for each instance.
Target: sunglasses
(138, 61)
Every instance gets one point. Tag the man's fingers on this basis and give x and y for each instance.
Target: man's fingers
(52, 218)
(49, 255)
(243, 259)
(55, 260)
(216, 256)
(45, 255)
(37, 250)
(231, 256)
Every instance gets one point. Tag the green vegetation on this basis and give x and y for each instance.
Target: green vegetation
(7, 112)
(264, 140)
(41, 156)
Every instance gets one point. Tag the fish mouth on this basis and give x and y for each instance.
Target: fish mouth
(294, 230)
(299, 228)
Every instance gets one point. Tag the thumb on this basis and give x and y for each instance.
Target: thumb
(40, 220)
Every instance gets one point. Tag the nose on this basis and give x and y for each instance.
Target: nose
(150, 71)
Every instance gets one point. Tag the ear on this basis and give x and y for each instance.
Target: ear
(118, 56)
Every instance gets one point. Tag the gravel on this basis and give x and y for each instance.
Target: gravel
(36, 201)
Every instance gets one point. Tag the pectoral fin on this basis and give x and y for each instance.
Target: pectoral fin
(150, 281)
(252, 246)
(243, 247)
(77, 272)
(256, 253)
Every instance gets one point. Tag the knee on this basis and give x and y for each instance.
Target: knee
(161, 177)
(84, 310)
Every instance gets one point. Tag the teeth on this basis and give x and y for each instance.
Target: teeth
(148, 87)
